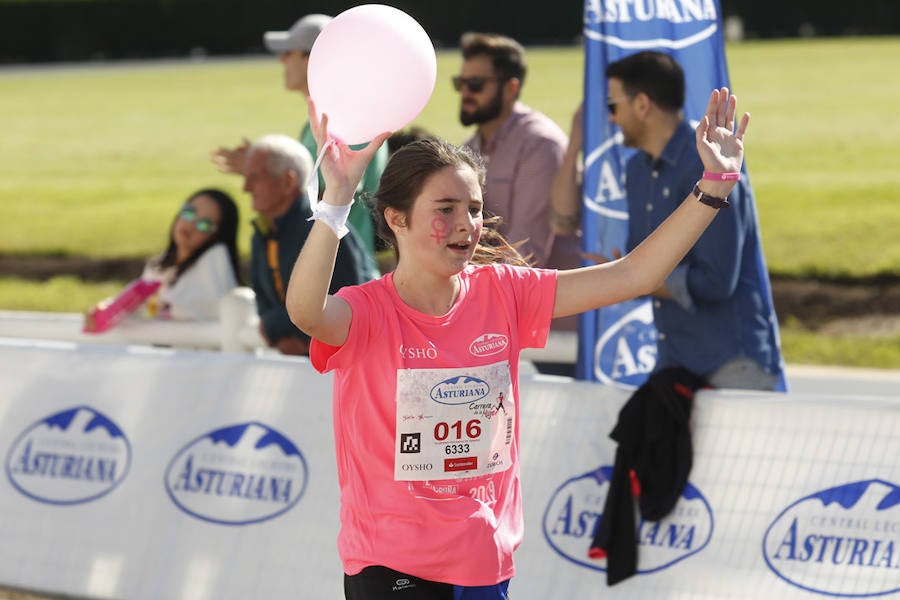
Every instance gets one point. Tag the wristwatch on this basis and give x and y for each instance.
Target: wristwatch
(708, 200)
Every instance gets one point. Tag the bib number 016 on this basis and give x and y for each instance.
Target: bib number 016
(472, 429)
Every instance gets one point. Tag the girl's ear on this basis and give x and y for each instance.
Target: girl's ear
(395, 219)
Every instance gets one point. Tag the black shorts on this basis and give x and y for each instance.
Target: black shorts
(381, 583)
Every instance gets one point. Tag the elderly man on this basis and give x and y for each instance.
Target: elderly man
(276, 166)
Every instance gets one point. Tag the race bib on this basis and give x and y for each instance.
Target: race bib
(453, 423)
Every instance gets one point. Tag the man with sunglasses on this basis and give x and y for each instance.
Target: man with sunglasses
(293, 48)
(710, 312)
(522, 147)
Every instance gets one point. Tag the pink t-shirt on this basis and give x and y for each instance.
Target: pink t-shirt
(426, 425)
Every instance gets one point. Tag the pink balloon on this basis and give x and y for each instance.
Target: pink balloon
(372, 69)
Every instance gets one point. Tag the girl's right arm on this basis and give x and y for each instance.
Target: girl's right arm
(318, 314)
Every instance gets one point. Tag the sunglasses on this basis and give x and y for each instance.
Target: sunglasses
(475, 84)
(611, 104)
(189, 214)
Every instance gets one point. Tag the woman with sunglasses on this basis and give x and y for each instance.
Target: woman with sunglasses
(425, 359)
(189, 278)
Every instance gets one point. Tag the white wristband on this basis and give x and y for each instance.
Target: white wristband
(332, 215)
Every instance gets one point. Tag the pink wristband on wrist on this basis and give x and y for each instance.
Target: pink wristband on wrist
(721, 176)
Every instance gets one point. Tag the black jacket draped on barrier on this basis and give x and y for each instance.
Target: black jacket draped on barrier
(653, 433)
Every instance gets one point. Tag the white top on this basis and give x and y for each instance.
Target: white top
(196, 294)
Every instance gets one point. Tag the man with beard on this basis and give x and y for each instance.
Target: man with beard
(523, 149)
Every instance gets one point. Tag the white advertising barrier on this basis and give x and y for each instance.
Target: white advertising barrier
(148, 474)
(185, 475)
(237, 329)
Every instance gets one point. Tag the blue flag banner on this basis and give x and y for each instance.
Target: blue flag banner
(617, 344)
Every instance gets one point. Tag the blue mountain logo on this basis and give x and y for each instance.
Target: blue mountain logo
(576, 507)
(237, 475)
(843, 541)
(71, 457)
(460, 390)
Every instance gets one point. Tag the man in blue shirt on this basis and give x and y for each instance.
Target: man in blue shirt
(712, 313)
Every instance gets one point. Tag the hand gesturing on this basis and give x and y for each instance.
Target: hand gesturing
(342, 167)
(721, 148)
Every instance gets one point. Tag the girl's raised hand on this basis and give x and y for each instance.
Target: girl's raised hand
(721, 148)
(342, 168)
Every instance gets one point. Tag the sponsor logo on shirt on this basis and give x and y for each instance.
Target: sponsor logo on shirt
(843, 541)
(237, 475)
(462, 389)
(70, 457)
(495, 461)
(464, 463)
(429, 353)
(488, 344)
(576, 507)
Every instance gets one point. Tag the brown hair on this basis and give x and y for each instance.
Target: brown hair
(506, 54)
(654, 73)
(402, 182)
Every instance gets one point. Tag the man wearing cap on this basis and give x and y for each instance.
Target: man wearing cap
(293, 48)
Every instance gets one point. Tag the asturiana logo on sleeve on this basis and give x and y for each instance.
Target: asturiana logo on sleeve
(843, 541)
(237, 475)
(576, 507)
(71, 457)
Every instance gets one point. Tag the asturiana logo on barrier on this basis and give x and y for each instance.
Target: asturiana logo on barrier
(71, 457)
(843, 541)
(573, 512)
(627, 348)
(460, 390)
(237, 475)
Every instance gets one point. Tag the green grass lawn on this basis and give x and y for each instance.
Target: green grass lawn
(95, 160)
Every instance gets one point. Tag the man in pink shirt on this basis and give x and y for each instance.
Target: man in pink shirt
(522, 147)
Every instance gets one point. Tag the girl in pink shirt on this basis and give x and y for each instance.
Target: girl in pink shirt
(426, 358)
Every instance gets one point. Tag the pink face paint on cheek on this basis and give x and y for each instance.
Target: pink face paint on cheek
(439, 229)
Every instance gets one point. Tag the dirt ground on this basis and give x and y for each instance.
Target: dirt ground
(860, 307)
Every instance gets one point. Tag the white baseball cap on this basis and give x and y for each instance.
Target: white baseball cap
(299, 37)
